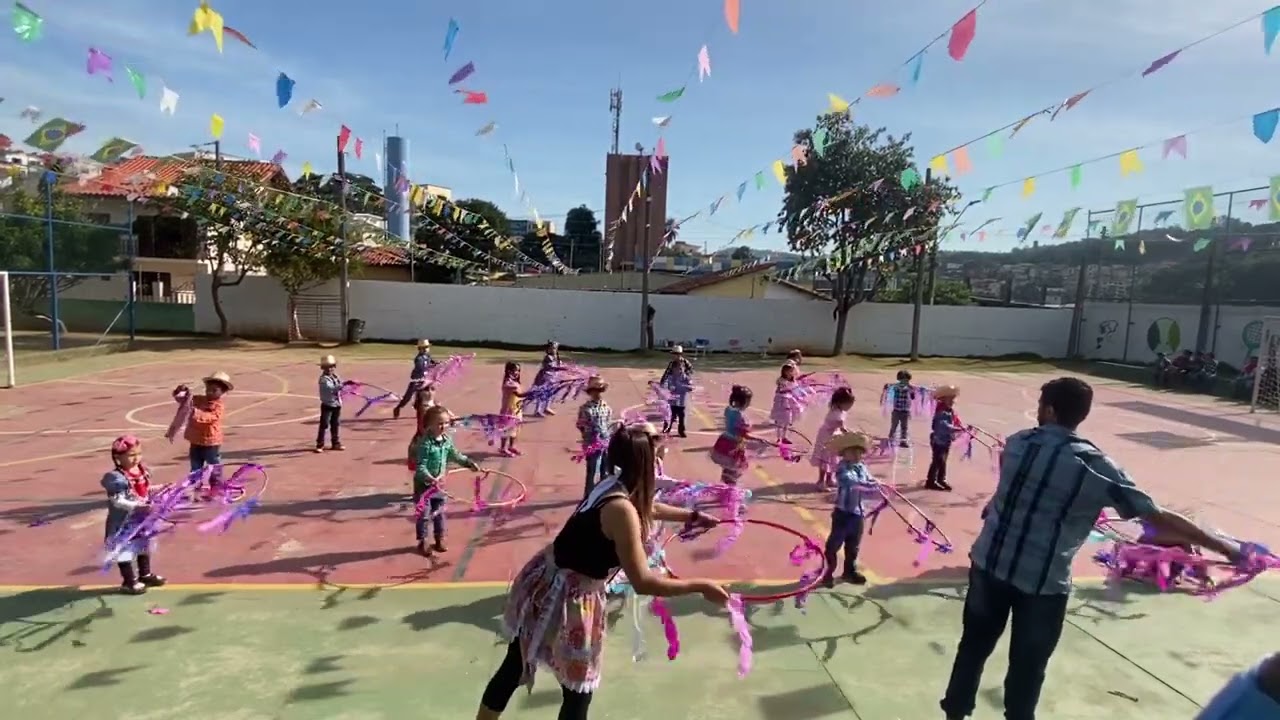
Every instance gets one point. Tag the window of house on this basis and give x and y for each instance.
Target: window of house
(152, 283)
(166, 237)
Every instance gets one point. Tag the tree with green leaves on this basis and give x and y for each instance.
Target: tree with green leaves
(742, 252)
(582, 239)
(78, 246)
(945, 292)
(834, 205)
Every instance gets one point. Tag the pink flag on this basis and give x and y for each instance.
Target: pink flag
(255, 144)
(99, 62)
(883, 91)
(661, 150)
(1257, 204)
(344, 135)
(359, 147)
(1175, 145)
(1242, 244)
(704, 64)
(473, 98)
(962, 34)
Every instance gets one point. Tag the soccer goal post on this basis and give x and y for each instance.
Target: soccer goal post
(9, 379)
(1266, 376)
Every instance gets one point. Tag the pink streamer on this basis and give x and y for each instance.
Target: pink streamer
(590, 448)
(738, 621)
(658, 606)
(450, 369)
(182, 416)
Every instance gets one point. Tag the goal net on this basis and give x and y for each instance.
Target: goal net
(1266, 376)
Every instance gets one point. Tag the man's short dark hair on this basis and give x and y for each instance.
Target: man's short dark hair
(1071, 400)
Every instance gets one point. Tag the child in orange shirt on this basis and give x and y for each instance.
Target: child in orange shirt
(204, 428)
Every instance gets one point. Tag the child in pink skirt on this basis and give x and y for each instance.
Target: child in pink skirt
(785, 407)
(834, 424)
(730, 449)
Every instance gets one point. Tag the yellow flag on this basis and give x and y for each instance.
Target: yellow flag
(1028, 187)
(780, 172)
(206, 19)
(215, 126)
(836, 104)
(939, 165)
(1130, 163)
(306, 169)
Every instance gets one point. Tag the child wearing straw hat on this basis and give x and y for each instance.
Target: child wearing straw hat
(330, 403)
(204, 428)
(853, 483)
(594, 420)
(678, 380)
(942, 433)
(422, 362)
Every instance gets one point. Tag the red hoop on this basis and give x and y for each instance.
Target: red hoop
(479, 506)
(773, 597)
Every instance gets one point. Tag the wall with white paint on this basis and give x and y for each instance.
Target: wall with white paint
(1123, 333)
(583, 319)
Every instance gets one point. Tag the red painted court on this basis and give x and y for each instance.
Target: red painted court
(343, 518)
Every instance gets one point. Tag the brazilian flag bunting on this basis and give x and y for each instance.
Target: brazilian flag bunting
(1198, 207)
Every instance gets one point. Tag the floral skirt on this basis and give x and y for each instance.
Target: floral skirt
(729, 454)
(559, 618)
(784, 411)
(820, 456)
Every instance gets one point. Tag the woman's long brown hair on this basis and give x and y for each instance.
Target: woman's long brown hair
(631, 451)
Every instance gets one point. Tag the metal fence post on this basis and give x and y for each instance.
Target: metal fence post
(1206, 298)
(131, 296)
(49, 179)
(1133, 279)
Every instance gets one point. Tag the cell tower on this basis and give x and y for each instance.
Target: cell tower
(615, 107)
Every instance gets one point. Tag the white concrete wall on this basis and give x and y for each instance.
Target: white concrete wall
(585, 319)
(1234, 331)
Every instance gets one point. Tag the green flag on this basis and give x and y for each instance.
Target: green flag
(1076, 177)
(986, 194)
(760, 180)
(1064, 227)
(1198, 207)
(672, 96)
(1025, 232)
(1275, 198)
(50, 136)
(1123, 218)
(909, 178)
(995, 145)
(139, 81)
(112, 150)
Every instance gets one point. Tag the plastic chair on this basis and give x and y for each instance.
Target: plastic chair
(701, 346)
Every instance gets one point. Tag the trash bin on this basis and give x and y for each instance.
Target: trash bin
(355, 330)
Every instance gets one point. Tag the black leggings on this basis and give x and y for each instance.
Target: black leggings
(498, 692)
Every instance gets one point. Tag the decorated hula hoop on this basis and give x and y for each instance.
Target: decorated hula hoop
(477, 504)
(807, 548)
(786, 449)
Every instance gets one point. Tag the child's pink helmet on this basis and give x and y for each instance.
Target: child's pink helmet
(124, 444)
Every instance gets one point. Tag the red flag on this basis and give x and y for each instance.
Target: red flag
(359, 147)
(343, 136)
(475, 98)
(962, 34)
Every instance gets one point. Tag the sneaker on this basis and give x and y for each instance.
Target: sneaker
(904, 444)
(854, 577)
(422, 549)
(134, 589)
(944, 486)
(828, 582)
(514, 452)
(439, 546)
(339, 447)
(152, 580)
(319, 449)
(550, 412)
(684, 434)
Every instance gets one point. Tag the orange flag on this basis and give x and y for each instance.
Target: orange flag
(883, 91)
(732, 12)
(961, 159)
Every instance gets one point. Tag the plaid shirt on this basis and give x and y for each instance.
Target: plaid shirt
(902, 394)
(330, 390)
(434, 456)
(853, 483)
(204, 429)
(1053, 485)
(594, 418)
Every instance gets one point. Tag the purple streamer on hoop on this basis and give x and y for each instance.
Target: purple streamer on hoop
(370, 393)
(451, 368)
(493, 427)
(145, 523)
(929, 538)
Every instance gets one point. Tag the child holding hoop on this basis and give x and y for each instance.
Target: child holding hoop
(422, 362)
(678, 380)
(435, 453)
(730, 449)
(853, 483)
(546, 372)
(127, 486)
(833, 424)
(785, 408)
(555, 613)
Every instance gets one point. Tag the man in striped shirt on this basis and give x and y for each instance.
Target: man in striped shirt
(1053, 486)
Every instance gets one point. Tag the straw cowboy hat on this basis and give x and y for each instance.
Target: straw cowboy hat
(843, 441)
(424, 343)
(328, 361)
(946, 391)
(220, 377)
(677, 349)
(595, 382)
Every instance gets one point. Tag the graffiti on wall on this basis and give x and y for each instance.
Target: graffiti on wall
(1164, 335)
(1106, 330)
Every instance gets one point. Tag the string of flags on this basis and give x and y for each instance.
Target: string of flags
(958, 39)
(50, 136)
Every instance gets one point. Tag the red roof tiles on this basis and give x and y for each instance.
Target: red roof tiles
(135, 174)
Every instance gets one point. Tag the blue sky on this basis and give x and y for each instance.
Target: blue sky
(548, 67)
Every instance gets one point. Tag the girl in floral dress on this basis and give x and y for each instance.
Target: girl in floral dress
(511, 407)
(785, 406)
(555, 611)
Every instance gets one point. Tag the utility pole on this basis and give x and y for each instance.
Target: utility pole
(644, 272)
(217, 155)
(343, 269)
(918, 291)
(933, 272)
(615, 107)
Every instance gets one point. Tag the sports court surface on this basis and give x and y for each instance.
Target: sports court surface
(317, 608)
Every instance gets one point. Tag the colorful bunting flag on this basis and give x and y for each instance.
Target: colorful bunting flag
(704, 64)
(1028, 187)
(961, 158)
(344, 136)
(909, 178)
(279, 157)
(168, 101)
(671, 96)
(1163, 217)
(995, 145)
(312, 106)
(488, 128)
(732, 14)
(883, 90)
(760, 180)
(1077, 175)
(662, 121)
(917, 66)
(1270, 28)
(26, 24)
(359, 148)
(139, 82)
(463, 73)
(255, 145)
(1201, 244)
(837, 104)
(1264, 124)
(112, 150)
(1122, 218)
(216, 124)
(206, 19)
(962, 35)
(1160, 63)
(284, 89)
(99, 63)
(50, 136)
(1026, 229)
(1064, 227)
(1174, 145)
(780, 172)
(1130, 163)
(472, 97)
(1198, 207)
(238, 35)
(1274, 197)
(819, 140)
(450, 35)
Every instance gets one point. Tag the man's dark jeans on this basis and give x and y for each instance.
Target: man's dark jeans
(1037, 625)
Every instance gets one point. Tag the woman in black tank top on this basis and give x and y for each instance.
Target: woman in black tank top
(555, 612)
